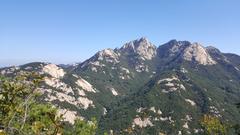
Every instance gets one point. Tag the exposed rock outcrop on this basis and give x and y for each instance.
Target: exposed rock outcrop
(54, 70)
(198, 53)
(142, 47)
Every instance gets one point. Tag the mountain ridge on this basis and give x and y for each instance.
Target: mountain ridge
(143, 87)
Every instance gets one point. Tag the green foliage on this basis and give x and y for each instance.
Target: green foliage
(237, 126)
(213, 125)
(20, 112)
(237, 129)
(82, 127)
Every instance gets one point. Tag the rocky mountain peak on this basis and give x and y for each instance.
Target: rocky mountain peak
(172, 48)
(109, 55)
(212, 49)
(54, 70)
(176, 46)
(196, 52)
(142, 47)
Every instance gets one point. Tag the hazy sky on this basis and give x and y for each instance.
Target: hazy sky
(65, 31)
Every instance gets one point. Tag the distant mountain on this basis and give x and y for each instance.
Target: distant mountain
(143, 88)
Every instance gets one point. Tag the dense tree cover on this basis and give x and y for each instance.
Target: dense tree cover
(83, 128)
(237, 126)
(213, 126)
(22, 114)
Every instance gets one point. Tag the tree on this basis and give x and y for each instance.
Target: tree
(213, 125)
(20, 111)
(82, 127)
(237, 126)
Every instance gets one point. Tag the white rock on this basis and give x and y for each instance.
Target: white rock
(169, 84)
(163, 118)
(172, 89)
(85, 102)
(109, 55)
(188, 118)
(182, 87)
(215, 111)
(139, 110)
(153, 109)
(171, 120)
(54, 71)
(10, 70)
(3, 72)
(237, 69)
(175, 48)
(113, 68)
(159, 112)
(172, 86)
(199, 54)
(114, 92)
(28, 68)
(142, 47)
(56, 83)
(183, 70)
(196, 131)
(142, 123)
(94, 69)
(62, 97)
(122, 77)
(186, 125)
(81, 92)
(165, 91)
(141, 68)
(168, 79)
(85, 85)
(191, 102)
(97, 63)
(104, 111)
(69, 116)
(125, 70)
(156, 119)
(74, 75)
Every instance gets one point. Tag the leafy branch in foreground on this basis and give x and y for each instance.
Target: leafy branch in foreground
(20, 112)
(82, 127)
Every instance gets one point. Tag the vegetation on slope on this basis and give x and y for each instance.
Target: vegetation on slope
(21, 113)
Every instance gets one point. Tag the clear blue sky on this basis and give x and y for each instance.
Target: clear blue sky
(65, 31)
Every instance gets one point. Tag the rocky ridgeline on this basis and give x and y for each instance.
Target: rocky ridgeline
(171, 71)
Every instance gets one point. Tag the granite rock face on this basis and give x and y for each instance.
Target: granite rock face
(196, 52)
(142, 47)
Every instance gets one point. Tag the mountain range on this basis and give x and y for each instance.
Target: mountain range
(144, 89)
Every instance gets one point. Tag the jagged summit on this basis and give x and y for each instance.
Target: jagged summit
(109, 55)
(165, 90)
(172, 48)
(142, 47)
(196, 52)
(213, 49)
(188, 51)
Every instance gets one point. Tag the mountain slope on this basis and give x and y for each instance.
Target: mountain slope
(143, 89)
